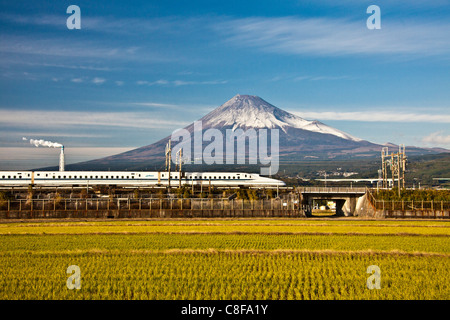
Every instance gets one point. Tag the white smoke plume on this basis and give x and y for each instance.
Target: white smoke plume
(44, 143)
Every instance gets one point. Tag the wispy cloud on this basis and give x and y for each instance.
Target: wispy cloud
(154, 104)
(437, 138)
(58, 119)
(177, 83)
(321, 36)
(323, 78)
(375, 116)
(107, 24)
(97, 80)
(62, 48)
(334, 37)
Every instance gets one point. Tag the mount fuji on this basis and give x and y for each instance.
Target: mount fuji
(299, 139)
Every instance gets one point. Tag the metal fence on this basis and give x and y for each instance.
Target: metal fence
(410, 208)
(332, 190)
(148, 207)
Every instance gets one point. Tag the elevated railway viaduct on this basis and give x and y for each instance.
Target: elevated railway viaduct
(344, 197)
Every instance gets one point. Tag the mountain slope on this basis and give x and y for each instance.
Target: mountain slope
(244, 111)
(299, 139)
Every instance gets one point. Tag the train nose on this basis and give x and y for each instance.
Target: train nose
(276, 182)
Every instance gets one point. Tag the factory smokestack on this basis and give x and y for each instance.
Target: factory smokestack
(50, 144)
(61, 159)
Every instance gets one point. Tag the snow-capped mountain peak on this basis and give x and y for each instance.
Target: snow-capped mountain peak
(245, 111)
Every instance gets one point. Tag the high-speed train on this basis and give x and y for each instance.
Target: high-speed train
(135, 178)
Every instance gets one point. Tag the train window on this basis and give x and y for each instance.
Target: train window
(70, 177)
(9, 177)
(53, 177)
(239, 177)
(64, 177)
(46, 175)
(220, 177)
(59, 177)
(38, 174)
(132, 177)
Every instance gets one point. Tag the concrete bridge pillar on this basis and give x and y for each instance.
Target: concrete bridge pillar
(350, 206)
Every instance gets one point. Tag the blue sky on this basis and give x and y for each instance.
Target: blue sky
(138, 70)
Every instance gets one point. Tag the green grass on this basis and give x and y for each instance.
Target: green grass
(225, 259)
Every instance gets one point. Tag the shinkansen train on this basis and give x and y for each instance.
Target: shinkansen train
(136, 178)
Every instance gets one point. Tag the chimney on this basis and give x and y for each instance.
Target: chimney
(61, 159)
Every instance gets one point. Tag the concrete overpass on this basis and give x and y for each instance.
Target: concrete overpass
(343, 196)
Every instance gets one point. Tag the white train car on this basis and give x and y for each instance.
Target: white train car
(135, 178)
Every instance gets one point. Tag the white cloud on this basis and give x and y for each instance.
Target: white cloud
(155, 104)
(178, 83)
(334, 37)
(437, 139)
(98, 80)
(76, 49)
(323, 77)
(375, 116)
(58, 119)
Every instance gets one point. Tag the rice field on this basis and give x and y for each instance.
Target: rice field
(195, 259)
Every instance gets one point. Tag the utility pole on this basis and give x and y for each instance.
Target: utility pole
(384, 164)
(397, 165)
(403, 153)
(179, 164)
(168, 158)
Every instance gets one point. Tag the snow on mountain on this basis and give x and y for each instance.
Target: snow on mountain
(245, 111)
(299, 139)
